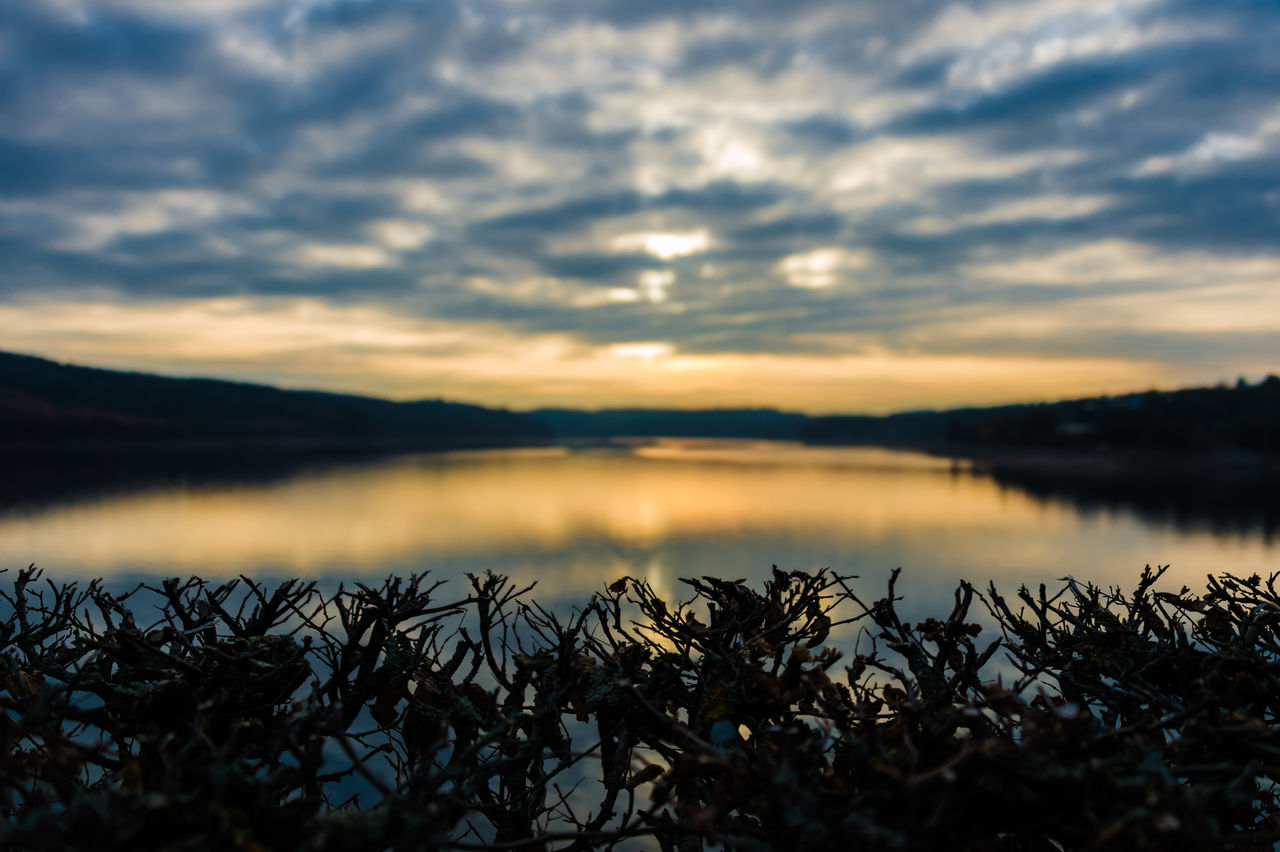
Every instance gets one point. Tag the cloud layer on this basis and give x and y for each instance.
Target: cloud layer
(823, 205)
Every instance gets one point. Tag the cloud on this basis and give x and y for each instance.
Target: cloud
(402, 234)
(369, 349)
(665, 245)
(821, 268)
(735, 181)
(352, 256)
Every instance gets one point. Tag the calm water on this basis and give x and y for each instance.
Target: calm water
(576, 519)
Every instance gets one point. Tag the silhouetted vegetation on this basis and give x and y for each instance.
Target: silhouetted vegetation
(49, 403)
(1244, 417)
(45, 402)
(914, 429)
(760, 423)
(196, 715)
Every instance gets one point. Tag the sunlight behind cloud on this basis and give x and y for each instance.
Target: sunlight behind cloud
(354, 256)
(402, 235)
(641, 351)
(652, 284)
(821, 268)
(665, 246)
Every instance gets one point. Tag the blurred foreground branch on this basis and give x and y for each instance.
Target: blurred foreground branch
(793, 716)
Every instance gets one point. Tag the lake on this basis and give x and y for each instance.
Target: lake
(575, 519)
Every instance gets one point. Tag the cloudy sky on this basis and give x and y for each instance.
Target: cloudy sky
(856, 205)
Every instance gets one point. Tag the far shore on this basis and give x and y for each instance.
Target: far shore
(1109, 463)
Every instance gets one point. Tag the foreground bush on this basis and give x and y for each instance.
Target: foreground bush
(255, 718)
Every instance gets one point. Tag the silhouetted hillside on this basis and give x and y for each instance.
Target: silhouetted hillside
(908, 429)
(1245, 417)
(569, 424)
(45, 402)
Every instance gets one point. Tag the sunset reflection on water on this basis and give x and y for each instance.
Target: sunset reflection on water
(574, 519)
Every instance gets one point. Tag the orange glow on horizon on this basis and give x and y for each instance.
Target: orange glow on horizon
(372, 350)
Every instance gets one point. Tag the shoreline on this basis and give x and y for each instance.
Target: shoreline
(1148, 465)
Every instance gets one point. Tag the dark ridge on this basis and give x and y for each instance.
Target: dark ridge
(1243, 418)
(761, 423)
(46, 403)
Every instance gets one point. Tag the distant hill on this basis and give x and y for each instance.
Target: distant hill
(1245, 417)
(762, 423)
(45, 402)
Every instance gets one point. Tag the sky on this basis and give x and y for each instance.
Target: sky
(847, 206)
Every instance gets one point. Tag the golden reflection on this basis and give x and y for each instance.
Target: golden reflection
(482, 502)
(592, 515)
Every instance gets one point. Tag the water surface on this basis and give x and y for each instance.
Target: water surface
(577, 519)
